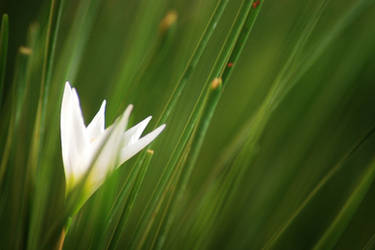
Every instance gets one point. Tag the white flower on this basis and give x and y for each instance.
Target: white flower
(95, 148)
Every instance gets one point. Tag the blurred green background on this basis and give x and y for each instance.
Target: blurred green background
(328, 111)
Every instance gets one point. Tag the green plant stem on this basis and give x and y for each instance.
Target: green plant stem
(193, 61)
(3, 53)
(48, 57)
(190, 67)
(259, 120)
(218, 68)
(214, 95)
(131, 201)
(19, 84)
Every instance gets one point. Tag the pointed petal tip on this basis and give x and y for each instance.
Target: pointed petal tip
(67, 88)
(131, 149)
(128, 111)
(161, 127)
(104, 104)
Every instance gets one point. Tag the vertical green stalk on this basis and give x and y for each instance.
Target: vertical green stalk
(19, 83)
(40, 198)
(190, 67)
(3, 53)
(193, 61)
(16, 165)
(213, 97)
(218, 68)
(121, 203)
(214, 94)
(48, 58)
(77, 40)
(166, 34)
(119, 229)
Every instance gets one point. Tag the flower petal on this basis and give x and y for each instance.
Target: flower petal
(132, 135)
(108, 155)
(73, 136)
(131, 149)
(65, 127)
(97, 125)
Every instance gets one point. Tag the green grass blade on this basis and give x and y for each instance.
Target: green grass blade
(191, 65)
(213, 97)
(278, 233)
(18, 87)
(12, 173)
(210, 106)
(48, 53)
(343, 218)
(78, 38)
(306, 63)
(121, 203)
(218, 68)
(3, 53)
(253, 127)
(131, 201)
(193, 61)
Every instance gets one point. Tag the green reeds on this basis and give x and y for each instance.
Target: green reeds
(269, 137)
